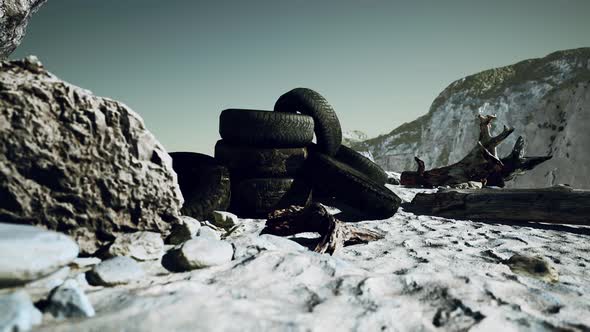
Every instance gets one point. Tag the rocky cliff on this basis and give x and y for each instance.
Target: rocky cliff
(546, 100)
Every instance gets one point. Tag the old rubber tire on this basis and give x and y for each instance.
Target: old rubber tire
(327, 127)
(336, 179)
(265, 128)
(204, 183)
(255, 198)
(245, 161)
(361, 164)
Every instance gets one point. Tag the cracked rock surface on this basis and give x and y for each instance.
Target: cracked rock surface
(77, 163)
(428, 273)
(14, 16)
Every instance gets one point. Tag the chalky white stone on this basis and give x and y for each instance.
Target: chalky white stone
(28, 253)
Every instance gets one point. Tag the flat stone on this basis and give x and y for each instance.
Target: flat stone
(209, 233)
(69, 301)
(82, 262)
(534, 267)
(248, 246)
(186, 229)
(28, 253)
(115, 271)
(202, 252)
(40, 288)
(143, 246)
(224, 219)
(17, 312)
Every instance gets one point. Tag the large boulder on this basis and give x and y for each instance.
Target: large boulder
(14, 16)
(546, 100)
(77, 163)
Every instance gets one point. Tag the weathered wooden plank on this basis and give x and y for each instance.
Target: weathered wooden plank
(559, 205)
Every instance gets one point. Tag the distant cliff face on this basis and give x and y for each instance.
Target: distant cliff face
(546, 100)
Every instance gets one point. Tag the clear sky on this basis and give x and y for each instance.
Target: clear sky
(379, 63)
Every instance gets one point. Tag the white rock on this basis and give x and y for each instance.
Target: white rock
(17, 312)
(69, 301)
(250, 245)
(186, 229)
(224, 219)
(115, 271)
(209, 233)
(203, 252)
(28, 253)
(82, 262)
(142, 246)
(40, 288)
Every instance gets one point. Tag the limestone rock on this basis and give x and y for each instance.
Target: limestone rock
(208, 232)
(202, 252)
(115, 271)
(393, 177)
(28, 253)
(186, 229)
(39, 289)
(546, 100)
(17, 312)
(142, 246)
(69, 301)
(82, 262)
(533, 266)
(82, 164)
(350, 137)
(248, 246)
(224, 219)
(14, 16)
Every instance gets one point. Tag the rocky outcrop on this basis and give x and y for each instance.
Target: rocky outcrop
(14, 16)
(77, 163)
(546, 100)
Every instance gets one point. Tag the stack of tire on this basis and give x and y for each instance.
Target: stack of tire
(266, 160)
(265, 153)
(339, 176)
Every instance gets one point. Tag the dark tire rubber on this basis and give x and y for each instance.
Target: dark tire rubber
(361, 164)
(332, 178)
(204, 183)
(265, 128)
(257, 197)
(327, 126)
(245, 161)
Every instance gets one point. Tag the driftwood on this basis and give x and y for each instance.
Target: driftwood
(334, 234)
(557, 205)
(514, 164)
(481, 164)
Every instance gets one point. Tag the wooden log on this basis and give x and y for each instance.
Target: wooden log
(481, 164)
(334, 234)
(558, 205)
(514, 164)
(477, 165)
